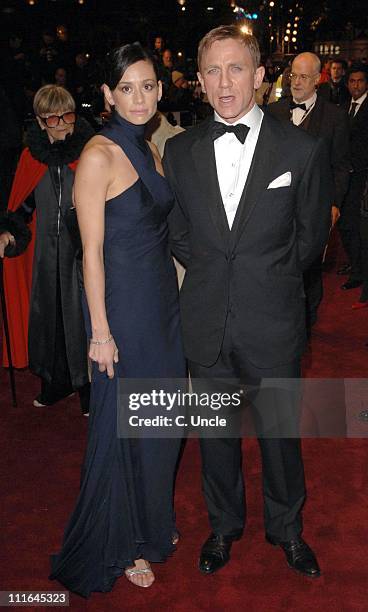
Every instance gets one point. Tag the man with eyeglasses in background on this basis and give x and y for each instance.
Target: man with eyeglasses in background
(325, 120)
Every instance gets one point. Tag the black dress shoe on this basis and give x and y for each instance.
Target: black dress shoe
(344, 270)
(299, 556)
(215, 553)
(351, 284)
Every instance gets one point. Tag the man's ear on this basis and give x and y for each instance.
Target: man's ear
(201, 80)
(159, 83)
(258, 77)
(317, 79)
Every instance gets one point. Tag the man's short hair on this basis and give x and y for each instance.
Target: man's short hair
(359, 67)
(230, 31)
(340, 61)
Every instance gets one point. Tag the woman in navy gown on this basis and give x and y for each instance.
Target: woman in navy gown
(124, 515)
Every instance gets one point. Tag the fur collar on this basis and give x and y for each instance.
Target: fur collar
(60, 152)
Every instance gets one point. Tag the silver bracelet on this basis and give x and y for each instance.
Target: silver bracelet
(99, 342)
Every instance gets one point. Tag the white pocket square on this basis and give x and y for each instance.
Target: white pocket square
(284, 180)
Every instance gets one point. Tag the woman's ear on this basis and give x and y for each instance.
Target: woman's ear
(41, 123)
(107, 94)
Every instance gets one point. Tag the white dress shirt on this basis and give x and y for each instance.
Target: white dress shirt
(233, 160)
(358, 102)
(298, 114)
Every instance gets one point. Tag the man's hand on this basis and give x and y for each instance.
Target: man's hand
(5, 239)
(335, 215)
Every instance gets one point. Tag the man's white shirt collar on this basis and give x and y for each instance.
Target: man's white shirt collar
(308, 103)
(298, 114)
(233, 159)
(252, 118)
(359, 100)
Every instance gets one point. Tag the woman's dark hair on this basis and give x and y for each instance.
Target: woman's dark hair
(119, 60)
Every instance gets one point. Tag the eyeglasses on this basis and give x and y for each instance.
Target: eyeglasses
(302, 77)
(53, 120)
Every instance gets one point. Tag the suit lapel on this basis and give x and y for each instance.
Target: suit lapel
(259, 176)
(362, 111)
(284, 111)
(205, 163)
(313, 121)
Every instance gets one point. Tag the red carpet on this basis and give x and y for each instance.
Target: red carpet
(42, 451)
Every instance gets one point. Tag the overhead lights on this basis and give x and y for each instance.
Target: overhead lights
(245, 29)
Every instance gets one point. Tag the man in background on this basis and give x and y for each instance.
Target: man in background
(357, 111)
(335, 90)
(320, 118)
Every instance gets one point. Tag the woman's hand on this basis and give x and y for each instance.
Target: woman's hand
(105, 355)
(5, 239)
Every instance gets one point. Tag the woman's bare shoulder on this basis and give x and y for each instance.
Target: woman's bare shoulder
(102, 151)
(99, 149)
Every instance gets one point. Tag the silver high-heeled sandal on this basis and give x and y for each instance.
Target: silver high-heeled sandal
(135, 571)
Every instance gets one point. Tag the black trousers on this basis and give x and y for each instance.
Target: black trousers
(282, 464)
(349, 224)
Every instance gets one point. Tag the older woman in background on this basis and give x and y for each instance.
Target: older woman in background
(57, 345)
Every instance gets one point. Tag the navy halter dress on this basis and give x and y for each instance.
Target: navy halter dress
(125, 506)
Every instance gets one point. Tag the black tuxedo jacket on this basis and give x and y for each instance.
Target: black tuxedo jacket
(359, 159)
(252, 273)
(359, 137)
(329, 122)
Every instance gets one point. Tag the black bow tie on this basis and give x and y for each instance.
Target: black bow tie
(240, 130)
(295, 105)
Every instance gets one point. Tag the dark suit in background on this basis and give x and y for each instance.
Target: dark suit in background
(350, 215)
(330, 123)
(336, 93)
(242, 300)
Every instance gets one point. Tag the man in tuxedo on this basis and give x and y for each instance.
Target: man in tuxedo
(252, 212)
(350, 222)
(320, 118)
(335, 90)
